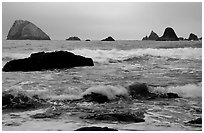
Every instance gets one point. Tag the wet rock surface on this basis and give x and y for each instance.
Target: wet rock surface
(48, 61)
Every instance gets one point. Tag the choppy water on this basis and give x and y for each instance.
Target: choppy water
(165, 66)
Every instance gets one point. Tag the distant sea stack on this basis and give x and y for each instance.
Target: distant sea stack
(87, 40)
(25, 30)
(169, 35)
(152, 36)
(193, 37)
(108, 39)
(74, 38)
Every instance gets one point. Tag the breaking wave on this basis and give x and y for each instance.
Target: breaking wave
(114, 54)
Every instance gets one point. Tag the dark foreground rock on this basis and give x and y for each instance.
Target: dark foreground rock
(20, 100)
(195, 121)
(74, 38)
(168, 95)
(169, 35)
(23, 30)
(96, 97)
(48, 61)
(152, 36)
(193, 37)
(94, 128)
(108, 39)
(118, 116)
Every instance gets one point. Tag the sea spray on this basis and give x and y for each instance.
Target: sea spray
(110, 91)
(189, 90)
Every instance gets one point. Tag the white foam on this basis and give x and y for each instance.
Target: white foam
(106, 55)
(189, 90)
(110, 91)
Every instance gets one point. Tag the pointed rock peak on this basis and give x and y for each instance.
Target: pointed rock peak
(108, 39)
(23, 30)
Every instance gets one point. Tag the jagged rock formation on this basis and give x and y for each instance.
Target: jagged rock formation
(169, 35)
(193, 37)
(108, 39)
(74, 38)
(48, 61)
(152, 36)
(25, 30)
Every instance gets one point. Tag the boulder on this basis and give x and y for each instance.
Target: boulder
(169, 35)
(25, 30)
(193, 37)
(140, 91)
(152, 36)
(108, 39)
(74, 38)
(48, 61)
(94, 128)
(118, 116)
(87, 40)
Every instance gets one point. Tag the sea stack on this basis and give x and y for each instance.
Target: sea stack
(152, 36)
(108, 39)
(169, 35)
(25, 30)
(193, 37)
(73, 38)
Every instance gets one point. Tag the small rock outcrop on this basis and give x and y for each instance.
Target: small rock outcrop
(94, 128)
(74, 38)
(48, 61)
(169, 35)
(96, 97)
(108, 39)
(25, 30)
(87, 40)
(193, 37)
(152, 36)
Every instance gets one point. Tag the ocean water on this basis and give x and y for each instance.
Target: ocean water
(165, 66)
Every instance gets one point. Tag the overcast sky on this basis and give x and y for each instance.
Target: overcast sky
(99, 20)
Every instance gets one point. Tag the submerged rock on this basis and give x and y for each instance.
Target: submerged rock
(152, 36)
(118, 116)
(96, 97)
(20, 100)
(94, 128)
(169, 35)
(48, 61)
(193, 37)
(22, 30)
(74, 38)
(108, 39)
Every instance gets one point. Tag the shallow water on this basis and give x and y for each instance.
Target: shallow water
(164, 66)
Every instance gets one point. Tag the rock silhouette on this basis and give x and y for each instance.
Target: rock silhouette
(108, 39)
(25, 30)
(74, 38)
(152, 36)
(169, 35)
(94, 128)
(87, 40)
(48, 61)
(193, 37)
